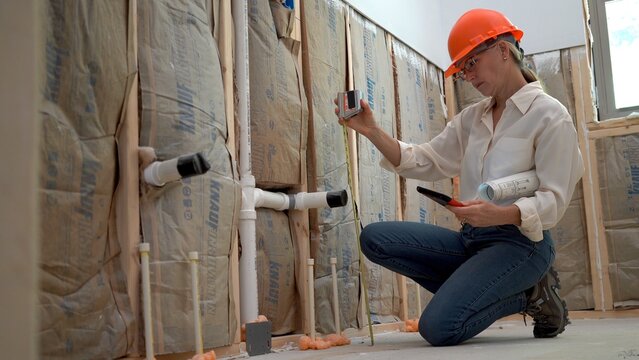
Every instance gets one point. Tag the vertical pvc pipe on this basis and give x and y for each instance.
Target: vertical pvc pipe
(195, 289)
(335, 296)
(145, 248)
(311, 297)
(240, 19)
(248, 269)
(248, 265)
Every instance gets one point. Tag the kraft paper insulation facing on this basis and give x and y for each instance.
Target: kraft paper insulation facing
(182, 111)
(373, 75)
(278, 109)
(570, 234)
(332, 230)
(421, 117)
(277, 289)
(618, 159)
(279, 118)
(83, 308)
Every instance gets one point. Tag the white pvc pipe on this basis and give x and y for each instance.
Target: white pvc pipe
(240, 19)
(311, 200)
(311, 297)
(145, 248)
(162, 172)
(267, 199)
(335, 297)
(248, 269)
(195, 289)
(299, 201)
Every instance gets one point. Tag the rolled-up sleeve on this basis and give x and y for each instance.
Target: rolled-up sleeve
(559, 166)
(435, 160)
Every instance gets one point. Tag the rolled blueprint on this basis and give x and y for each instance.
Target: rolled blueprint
(510, 187)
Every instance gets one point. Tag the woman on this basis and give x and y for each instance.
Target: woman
(499, 263)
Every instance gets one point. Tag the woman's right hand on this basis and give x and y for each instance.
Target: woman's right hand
(364, 122)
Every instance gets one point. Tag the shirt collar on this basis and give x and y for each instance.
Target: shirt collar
(522, 99)
(525, 96)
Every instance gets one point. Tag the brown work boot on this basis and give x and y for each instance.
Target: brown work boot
(547, 309)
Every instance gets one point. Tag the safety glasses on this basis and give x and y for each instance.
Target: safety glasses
(467, 65)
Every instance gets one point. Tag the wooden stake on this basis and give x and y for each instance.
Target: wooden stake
(335, 295)
(311, 298)
(194, 259)
(145, 248)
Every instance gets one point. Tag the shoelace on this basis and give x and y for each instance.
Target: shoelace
(533, 310)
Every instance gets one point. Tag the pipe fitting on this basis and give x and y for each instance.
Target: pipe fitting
(161, 172)
(299, 201)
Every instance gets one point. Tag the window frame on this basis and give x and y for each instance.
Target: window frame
(604, 87)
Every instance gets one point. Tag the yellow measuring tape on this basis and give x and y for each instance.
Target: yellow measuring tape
(362, 266)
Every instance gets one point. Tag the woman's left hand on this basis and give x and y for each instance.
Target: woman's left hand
(480, 213)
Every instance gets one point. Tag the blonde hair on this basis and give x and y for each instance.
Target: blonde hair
(518, 55)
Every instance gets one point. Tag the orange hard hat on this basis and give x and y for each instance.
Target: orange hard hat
(472, 29)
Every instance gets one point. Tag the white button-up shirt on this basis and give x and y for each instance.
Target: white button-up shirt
(535, 132)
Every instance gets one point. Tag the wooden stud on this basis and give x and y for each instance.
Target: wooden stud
(352, 144)
(297, 25)
(619, 131)
(352, 135)
(400, 188)
(23, 39)
(623, 122)
(597, 247)
(451, 100)
(451, 111)
(622, 129)
(225, 44)
(299, 219)
(127, 198)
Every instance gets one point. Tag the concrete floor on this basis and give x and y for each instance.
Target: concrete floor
(597, 339)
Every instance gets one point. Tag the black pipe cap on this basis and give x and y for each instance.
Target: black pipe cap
(337, 198)
(192, 165)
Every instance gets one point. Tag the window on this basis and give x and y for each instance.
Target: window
(615, 28)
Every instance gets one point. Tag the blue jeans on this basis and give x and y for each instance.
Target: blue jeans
(477, 275)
